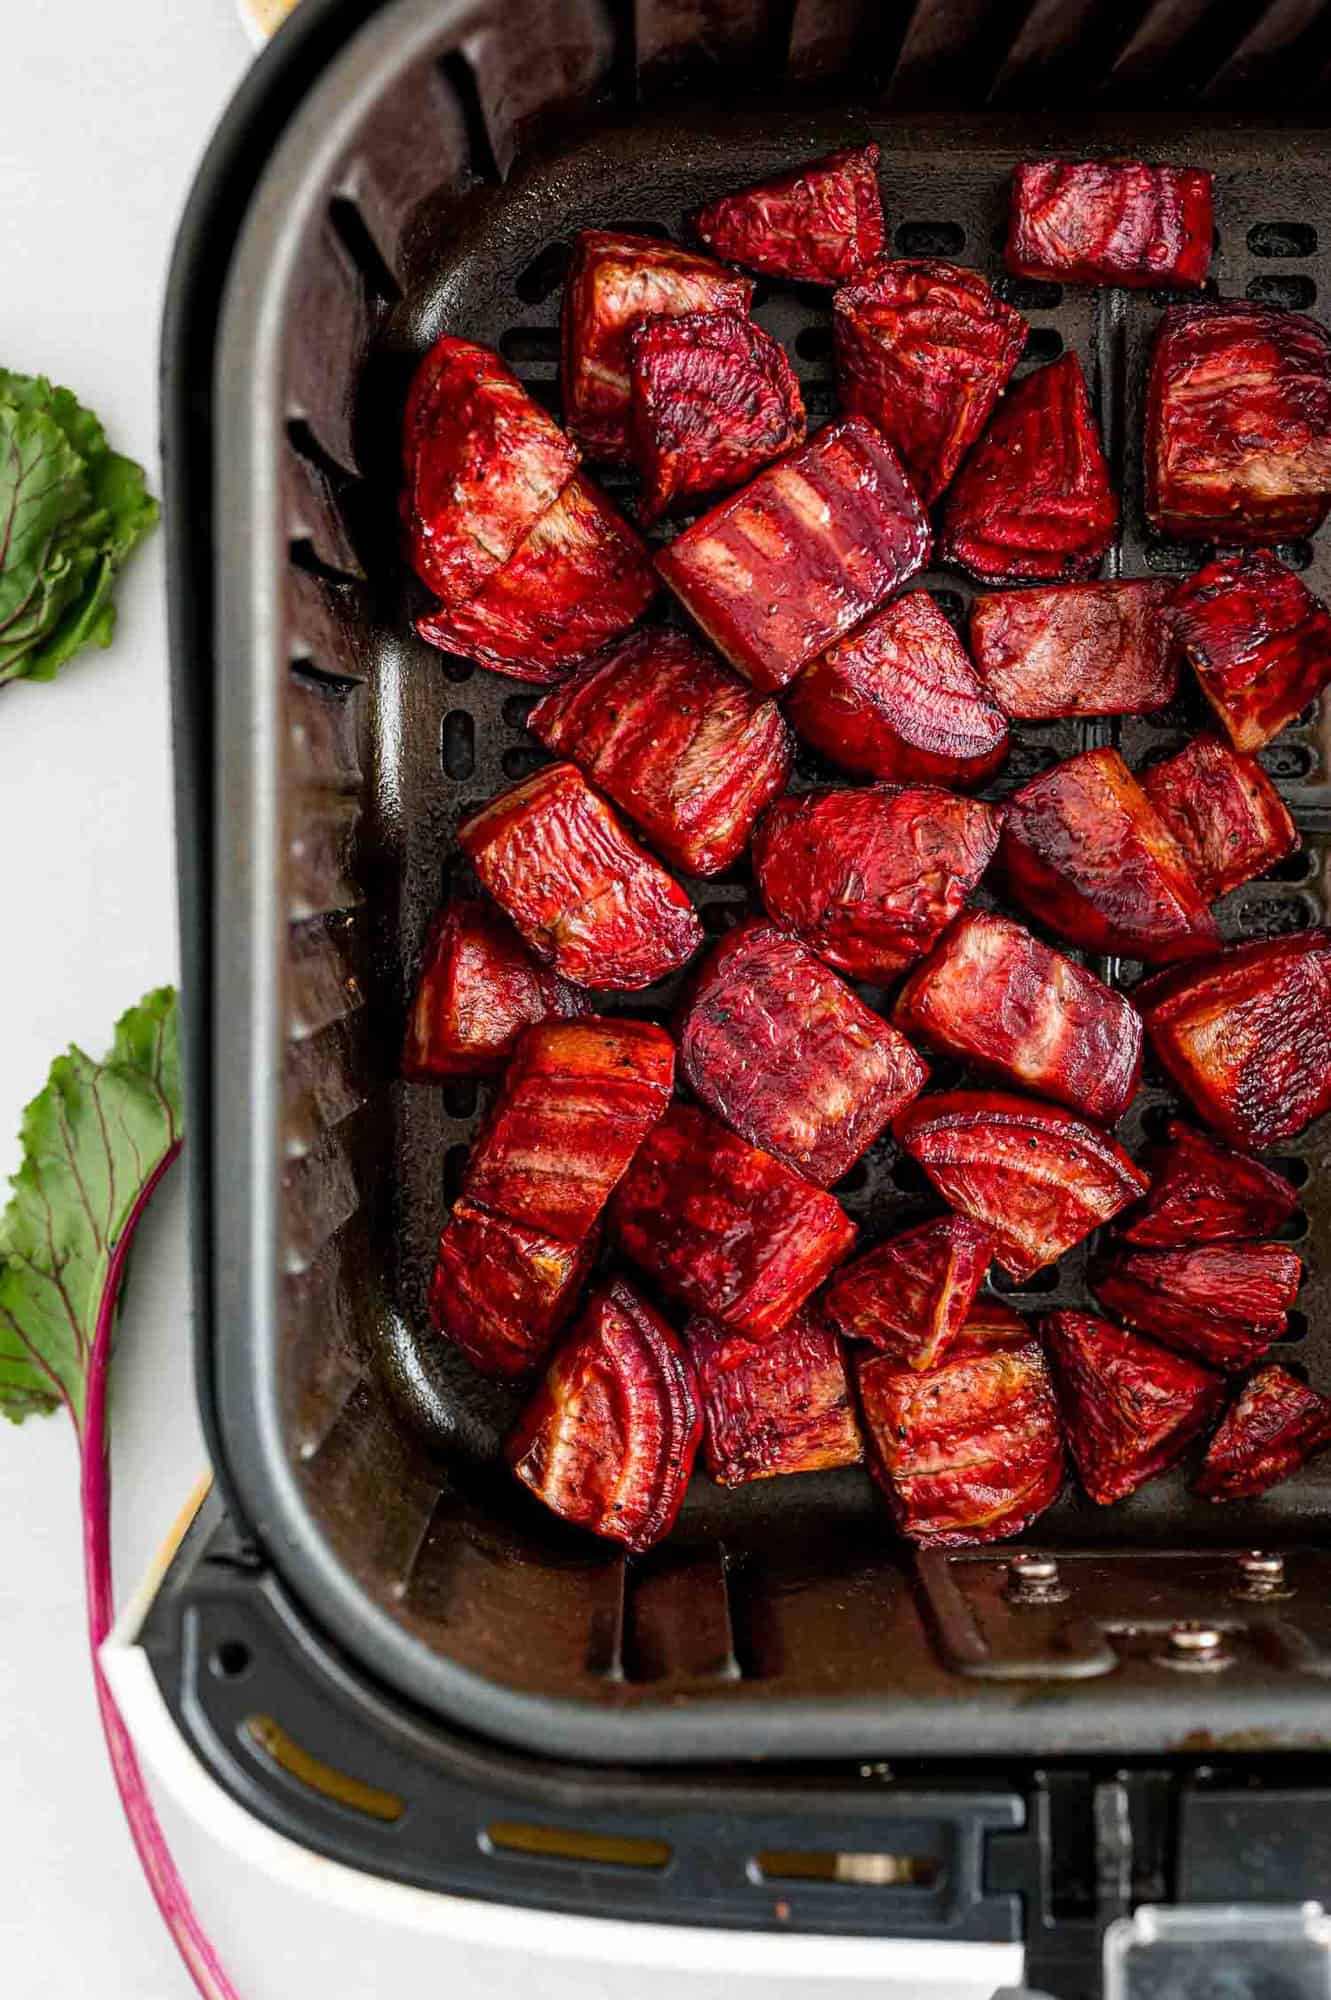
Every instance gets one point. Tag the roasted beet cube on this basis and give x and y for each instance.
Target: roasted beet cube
(479, 987)
(969, 1451)
(819, 223)
(773, 1406)
(785, 1052)
(577, 1100)
(899, 699)
(688, 750)
(1223, 1302)
(1039, 1178)
(713, 399)
(1085, 852)
(1000, 999)
(870, 877)
(502, 1290)
(584, 895)
(1033, 501)
(1247, 1036)
(912, 1295)
(614, 283)
(608, 1440)
(1075, 649)
(812, 545)
(924, 350)
(1110, 222)
(1129, 1408)
(1273, 1427)
(579, 579)
(483, 463)
(1259, 641)
(990, 1323)
(730, 1231)
(1202, 1193)
(1238, 423)
(1223, 811)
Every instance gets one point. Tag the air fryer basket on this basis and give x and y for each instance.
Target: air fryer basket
(430, 179)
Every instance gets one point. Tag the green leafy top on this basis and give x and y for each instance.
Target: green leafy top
(71, 510)
(95, 1143)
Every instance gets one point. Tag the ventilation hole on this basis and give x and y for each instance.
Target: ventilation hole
(523, 759)
(1296, 1328)
(1027, 760)
(546, 393)
(303, 441)
(1045, 1280)
(930, 239)
(1286, 760)
(303, 555)
(350, 230)
(269, 1737)
(1182, 295)
(998, 236)
(460, 77)
(1300, 866)
(231, 1659)
(1282, 239)
(530, 343)
(814, 343)
(542, 278)
(573, 1843)
(457, 744)
(718, 918)
(909, 1176)
(1292, 291)
(517, 708)
(1274, 916)
(861, 1871)
(762, 295)
(1290, 1168)
(455, 1166)
(1171, 558)
(460, 1094)
(455, 668)
(1029, 294)
(952, 605)
(1295, 1229)
(820, 398)
(1295, 555)
(1043, 343)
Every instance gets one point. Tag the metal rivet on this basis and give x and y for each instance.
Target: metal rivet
(1262, 1574)
(1034, 1579)
(1195, 1647)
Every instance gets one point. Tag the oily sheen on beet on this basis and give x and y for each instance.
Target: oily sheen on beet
(725, 1228)
(1084, 851)
(782, 1049)
(912, 1295)
(1130, 1409)
(818, 224)
(681, 744)
(584, 895)
(1033, 503)
(478, 988)
(773, 1406)
(1109, 222)
(502, 1290)
(1075, 649)
(995, 997)
(900, 699)
(1038, 1177)
(1258, 641)
(1223, 811)
(1201, 1192)
(870, 877)
(608, 1440)
(1223, 1302)
(924, 349)
(1274, 1425)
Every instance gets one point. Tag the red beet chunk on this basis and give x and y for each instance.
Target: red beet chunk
(483, 463)
(869, 878)
(966, 1452)
(912, 1295)
(990, 1323)
(1247, 1036)
(1238, 423)
(805, 551)
(713, 399)
(1075, 649)
(899, 699)
(994, 996)
(1223, 811)
(1110, 222)
(1033, 501)
(688, 750)
(1223, 1302)
(584, 895)
(1039, 1178)
(818, 224)
(614, 283)
(479, 987)
(773, 1406)
(1085, 852)
(1202, 1193)
(1273, 1427)
(608, 1440)
(579, 579)
(577, 1100)
(1130, 1409)
(924, 350)
(1259, 641)
(502, 1290)
(730, 1231)
(785, 1052)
